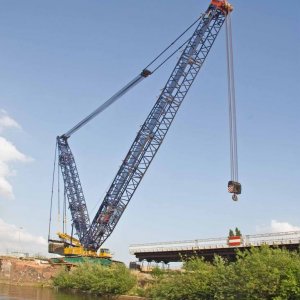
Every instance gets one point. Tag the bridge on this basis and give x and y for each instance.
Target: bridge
(167, 252)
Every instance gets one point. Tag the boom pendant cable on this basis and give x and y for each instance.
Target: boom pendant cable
(52, 190)
(158, 56)
(58, 196)
(65, 213)
(171, 55)
(145, 73)
(234, 186)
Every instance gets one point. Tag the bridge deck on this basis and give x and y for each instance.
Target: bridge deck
(176, 251)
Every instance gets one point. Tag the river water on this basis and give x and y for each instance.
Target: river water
(9, 292)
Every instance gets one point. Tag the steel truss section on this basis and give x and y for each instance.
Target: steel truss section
(72, 188)
(154, 129)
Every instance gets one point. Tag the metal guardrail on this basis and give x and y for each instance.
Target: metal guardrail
(279, 238)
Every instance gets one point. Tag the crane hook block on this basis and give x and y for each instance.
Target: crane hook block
(234, 187)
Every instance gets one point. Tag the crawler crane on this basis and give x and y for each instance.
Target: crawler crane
(92, 234)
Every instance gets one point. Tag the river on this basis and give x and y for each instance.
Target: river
(10, 292)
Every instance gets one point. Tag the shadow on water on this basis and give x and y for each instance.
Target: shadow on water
(9, 292)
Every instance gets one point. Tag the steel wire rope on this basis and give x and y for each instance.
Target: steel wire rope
(101, 197)
(167, 48)
(52, 190)
(233, 99)
(65, 213)
(58, 196)
(231, 102)
(145, 73)
(171, 55)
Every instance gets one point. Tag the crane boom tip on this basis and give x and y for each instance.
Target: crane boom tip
(223, 5)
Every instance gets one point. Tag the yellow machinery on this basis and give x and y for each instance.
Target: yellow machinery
(70, 246)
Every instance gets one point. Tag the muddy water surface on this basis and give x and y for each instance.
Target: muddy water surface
(9, 292)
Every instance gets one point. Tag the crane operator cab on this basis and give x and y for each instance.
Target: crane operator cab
(105, 253)
(234, 188)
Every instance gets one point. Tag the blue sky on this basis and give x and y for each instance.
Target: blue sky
(61, 59)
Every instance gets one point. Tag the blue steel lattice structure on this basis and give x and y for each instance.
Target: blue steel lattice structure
(147, 141)
(72, 188)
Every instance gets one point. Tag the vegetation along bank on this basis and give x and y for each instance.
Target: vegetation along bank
(257, 274)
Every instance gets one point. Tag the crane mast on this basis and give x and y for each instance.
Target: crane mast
(148, 140)
(73, 188)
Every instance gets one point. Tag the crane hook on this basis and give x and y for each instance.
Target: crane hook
(235, 197)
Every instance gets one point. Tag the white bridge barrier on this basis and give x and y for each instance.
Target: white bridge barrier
(279, 238)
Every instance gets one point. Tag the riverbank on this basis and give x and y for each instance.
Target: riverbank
(271, 273)
(27, 271)
(36, 273)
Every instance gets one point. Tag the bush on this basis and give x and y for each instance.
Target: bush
(192, 284)
(260, 273)
(102, 280)
(263, 273)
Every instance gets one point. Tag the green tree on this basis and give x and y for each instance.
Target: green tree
(265, 273)
(238, 232)
(260, 273)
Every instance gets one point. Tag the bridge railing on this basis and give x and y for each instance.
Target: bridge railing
(278, 238)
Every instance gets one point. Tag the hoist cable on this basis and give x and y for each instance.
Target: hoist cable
(231, 102)
(52, 190)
